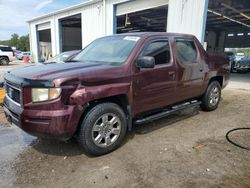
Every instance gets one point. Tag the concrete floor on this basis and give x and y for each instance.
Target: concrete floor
(12, 65)
(240, 81)
(184, 150)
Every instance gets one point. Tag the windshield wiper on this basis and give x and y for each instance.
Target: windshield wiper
(49, 62)
(72, 60)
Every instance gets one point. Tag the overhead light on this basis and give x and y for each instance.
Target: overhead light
(127, 20)
(240, 34)
(230, 35)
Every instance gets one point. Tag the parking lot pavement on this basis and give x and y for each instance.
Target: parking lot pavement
(188, 150)
(184, 150)
(12, 65)
(240, 81)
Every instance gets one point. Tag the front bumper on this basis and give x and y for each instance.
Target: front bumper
(242, 67)
(58, 124)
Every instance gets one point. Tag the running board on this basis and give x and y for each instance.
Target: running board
(163, 114)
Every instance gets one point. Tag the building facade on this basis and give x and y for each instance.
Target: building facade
(76, 26)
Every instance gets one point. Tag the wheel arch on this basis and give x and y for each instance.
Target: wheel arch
(5, 56)
(121, 100)
(217, 78)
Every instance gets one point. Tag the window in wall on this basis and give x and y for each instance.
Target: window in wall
(186, 50)
(159, 50)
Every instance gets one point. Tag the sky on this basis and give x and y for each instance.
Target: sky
(16, 13)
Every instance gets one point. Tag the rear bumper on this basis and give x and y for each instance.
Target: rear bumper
(12, 58)
(242, 66)
(58, 124)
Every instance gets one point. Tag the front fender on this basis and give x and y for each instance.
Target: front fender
(90, 93)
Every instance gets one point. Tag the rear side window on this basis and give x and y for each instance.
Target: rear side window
(6, 49)
(159, 50)
(186, 50)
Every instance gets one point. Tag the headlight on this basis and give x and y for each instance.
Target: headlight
(41, 94)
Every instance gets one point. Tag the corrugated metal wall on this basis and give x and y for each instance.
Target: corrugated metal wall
(187, 16)
(92, 23)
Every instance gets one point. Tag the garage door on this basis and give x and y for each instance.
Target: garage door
(43, 26)
(138, 5)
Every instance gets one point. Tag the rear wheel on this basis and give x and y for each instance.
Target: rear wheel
(102, 129)
(4, 61)
(212, 96)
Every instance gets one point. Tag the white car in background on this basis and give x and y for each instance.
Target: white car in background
(23, 54)
(6, 55)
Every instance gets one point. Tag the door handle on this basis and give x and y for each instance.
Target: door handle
(171, 73)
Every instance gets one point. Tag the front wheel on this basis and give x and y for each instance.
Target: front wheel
(212, 96)
(4, 61)
(102, 129)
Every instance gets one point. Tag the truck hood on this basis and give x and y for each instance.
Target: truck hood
(53, 70)
(61, 71)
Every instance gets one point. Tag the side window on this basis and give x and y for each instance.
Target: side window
(186, 50)
(159, 50)
(6, 49)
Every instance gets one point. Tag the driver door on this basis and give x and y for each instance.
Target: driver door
(154, 88)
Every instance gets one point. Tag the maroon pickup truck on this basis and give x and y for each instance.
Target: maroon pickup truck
(113, 83)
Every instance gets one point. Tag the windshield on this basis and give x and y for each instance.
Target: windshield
(58, 58)
(61, 58)
(112, 50)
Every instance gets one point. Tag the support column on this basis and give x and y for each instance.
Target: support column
(34, 42)
(54, 32)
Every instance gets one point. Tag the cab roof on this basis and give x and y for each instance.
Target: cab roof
(148, 34)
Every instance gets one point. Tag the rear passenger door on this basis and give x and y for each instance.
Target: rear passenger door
(190, 75)
(154, 88)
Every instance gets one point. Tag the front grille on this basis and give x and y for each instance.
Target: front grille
(13, 93)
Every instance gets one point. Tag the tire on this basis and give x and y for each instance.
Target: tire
(97, 126)
(4, 61)
(233, 67)
(211, 97)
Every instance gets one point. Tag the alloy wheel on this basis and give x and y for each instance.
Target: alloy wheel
(214, 96)
(106, 130)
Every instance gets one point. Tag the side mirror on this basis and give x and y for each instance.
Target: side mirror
(146, 62)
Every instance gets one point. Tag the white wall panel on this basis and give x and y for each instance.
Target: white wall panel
(92, 23)
(187, 16)
(53, 36)
(33, 42)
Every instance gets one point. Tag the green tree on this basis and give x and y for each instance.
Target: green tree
(14, 41)
(21, 43)
(24, 44)
(5, 42)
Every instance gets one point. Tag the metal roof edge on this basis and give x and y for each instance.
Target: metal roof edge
(83, 4)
